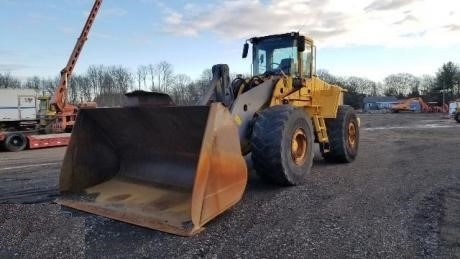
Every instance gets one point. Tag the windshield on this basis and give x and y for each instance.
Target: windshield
(275, 55)
(43, 105)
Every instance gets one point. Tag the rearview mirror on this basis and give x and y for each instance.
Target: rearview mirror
(245, 50)
(301, 44)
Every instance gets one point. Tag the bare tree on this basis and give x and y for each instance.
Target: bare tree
(164, 71)
(206, 75)
(402, 84)
(123, 81)
(141, 76)
(8, 81)
(122, 77)
(360, 85)
(151, 72)
(33, 83)
(427, 82)
(73, 89)
(48, 85)
(326, 76)
(179, 90)
(96, 78)
(80, 89)
(204, 81)
(378, 89)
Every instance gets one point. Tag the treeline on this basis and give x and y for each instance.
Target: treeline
(107, 84)
(443, 87)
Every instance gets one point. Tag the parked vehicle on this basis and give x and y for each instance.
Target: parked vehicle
(174, 168)
(23, 126)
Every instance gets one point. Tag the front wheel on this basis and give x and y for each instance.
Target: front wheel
(343, 133)
(282, 145)
(15, 142)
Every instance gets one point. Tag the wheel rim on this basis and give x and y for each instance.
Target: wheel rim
(351, 135)
(299, 145)
(17, 141)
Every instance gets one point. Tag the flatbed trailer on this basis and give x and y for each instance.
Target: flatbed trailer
(20, 140)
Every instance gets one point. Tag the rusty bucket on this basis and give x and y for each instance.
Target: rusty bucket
(167, 168)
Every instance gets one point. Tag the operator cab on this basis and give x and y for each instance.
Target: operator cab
(289, 54)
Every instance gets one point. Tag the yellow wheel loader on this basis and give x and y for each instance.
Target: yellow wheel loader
(457, 114)
(174, 168)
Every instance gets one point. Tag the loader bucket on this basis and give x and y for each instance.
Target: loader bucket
(167, 168)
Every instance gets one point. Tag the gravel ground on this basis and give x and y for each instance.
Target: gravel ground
(400, 198)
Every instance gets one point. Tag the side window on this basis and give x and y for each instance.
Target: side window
(308, 58)
(261, 61)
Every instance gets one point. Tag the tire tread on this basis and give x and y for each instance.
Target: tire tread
(266, 145)
(336, 132)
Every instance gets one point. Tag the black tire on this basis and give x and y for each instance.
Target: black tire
(343, 133)
(15, 142)
(282, 145)
(457, 117)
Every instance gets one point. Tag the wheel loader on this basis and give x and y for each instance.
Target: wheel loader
(174, 168)
(457, 114)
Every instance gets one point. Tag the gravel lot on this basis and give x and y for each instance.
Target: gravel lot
(400, 198)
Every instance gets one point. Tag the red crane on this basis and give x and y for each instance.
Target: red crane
(66, 113)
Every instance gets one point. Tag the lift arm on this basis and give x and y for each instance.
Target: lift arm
(59, 100)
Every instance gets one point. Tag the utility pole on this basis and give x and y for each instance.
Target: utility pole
(443, 92)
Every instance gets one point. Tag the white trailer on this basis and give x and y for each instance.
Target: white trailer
(18, 121)
(18, 106)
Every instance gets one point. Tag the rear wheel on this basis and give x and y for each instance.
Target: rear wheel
(343, 133)
(457, 117)
(15, 142)
(282, 145)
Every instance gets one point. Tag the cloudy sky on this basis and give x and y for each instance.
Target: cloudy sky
(367, 38)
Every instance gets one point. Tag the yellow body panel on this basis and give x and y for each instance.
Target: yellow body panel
(319, 99)
(317, 96)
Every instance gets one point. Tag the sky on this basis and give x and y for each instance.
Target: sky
(365, 38)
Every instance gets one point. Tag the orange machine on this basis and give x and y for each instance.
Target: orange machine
(66, 113)
(434, 107)
(407, 105)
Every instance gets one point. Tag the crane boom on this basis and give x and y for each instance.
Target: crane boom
(59, 100)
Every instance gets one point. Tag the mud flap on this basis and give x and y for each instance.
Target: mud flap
(166, 168)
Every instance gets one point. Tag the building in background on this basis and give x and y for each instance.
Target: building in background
(378, 103)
